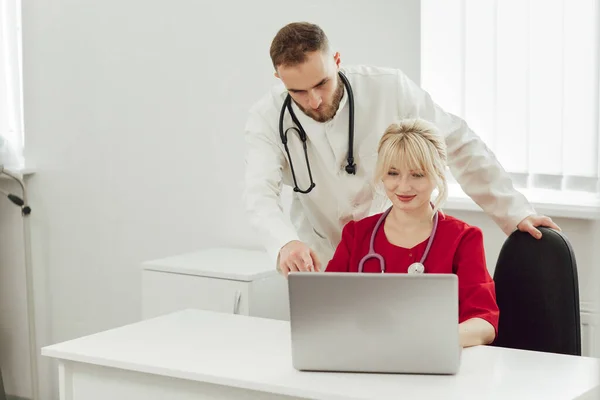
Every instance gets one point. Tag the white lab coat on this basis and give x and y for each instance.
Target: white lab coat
(381, 97)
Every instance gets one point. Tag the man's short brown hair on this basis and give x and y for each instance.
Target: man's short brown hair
(293, 41)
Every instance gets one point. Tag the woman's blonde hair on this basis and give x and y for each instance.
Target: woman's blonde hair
(417, 145)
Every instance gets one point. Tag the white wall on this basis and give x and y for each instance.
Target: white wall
(14, 345)
(127, 106)
(134, 113)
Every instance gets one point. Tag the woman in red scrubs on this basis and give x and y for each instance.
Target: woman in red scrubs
(411, 164)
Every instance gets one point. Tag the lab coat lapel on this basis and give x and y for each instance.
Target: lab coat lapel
(337, 133)
(297, 155)
(329, 139)
(317, 140)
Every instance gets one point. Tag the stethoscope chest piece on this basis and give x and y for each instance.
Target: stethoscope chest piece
(416, 268)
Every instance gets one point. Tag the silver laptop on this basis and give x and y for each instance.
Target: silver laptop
(383, 323)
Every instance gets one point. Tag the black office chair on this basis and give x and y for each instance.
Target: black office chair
(537, 291)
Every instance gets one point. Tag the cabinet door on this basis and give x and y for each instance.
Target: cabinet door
(164, 293)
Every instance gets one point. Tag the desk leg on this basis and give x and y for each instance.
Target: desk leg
(65, 380)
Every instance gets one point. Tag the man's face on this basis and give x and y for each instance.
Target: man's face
(314, 85)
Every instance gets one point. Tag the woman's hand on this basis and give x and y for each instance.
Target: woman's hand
(475, 332)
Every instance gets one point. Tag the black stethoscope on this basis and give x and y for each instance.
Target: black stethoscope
(287, 104)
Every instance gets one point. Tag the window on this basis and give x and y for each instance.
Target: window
(11, 120)
(524, 74)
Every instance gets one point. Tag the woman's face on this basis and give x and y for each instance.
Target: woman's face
(408, 190)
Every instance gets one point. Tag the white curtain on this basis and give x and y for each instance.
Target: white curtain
(524, 74)
(11, 120)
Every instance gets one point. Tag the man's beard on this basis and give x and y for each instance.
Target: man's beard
(326, 112)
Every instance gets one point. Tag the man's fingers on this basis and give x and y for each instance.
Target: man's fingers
(306, 262)
(316, 261)
(318, 266)
(534, 232)
(284, 270)
(528, 227)
(530, 223)
(295, 265)
(547, 221)
(297, 256)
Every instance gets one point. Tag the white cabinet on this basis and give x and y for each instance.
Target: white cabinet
(229, 280)
(590, 343)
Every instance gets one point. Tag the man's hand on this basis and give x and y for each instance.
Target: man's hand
(529, 224)
(297, 256)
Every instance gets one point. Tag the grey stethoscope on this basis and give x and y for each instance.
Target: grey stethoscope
(287, 104)
(414, 268)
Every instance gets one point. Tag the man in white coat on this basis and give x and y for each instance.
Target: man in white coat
(327, 100)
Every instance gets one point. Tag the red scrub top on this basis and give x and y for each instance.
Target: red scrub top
(457, 248)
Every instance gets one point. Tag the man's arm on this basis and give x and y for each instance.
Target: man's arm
(472, 163)
(263, 182)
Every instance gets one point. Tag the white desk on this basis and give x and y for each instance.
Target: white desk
(195, 354)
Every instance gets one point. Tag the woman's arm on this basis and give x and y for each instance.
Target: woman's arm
(475, 332)
(478, 310)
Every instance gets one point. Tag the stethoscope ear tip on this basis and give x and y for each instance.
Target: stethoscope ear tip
(351, 169)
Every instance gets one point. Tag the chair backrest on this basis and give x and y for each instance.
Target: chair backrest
(537, 291)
